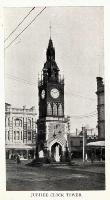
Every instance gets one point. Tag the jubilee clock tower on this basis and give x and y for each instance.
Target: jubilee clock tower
(52, 125)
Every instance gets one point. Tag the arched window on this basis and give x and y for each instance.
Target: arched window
(54, 109)
(60, 110)
(49, 109)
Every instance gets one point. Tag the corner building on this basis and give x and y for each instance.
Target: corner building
(53, 128)
(20, 132)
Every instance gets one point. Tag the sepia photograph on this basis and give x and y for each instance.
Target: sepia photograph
(54, 98)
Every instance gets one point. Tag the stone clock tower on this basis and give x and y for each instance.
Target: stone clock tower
(52, 125)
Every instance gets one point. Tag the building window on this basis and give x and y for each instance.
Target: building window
(8, 121)
(17, 135)
(54, 109)
(29, 135)
(8, 135)
(21, 135)
(18, 122)
(60, 110)
(32, 123)
(14, 135)
(81, 143)
(29, 123)
(49, 109)
(72, 143)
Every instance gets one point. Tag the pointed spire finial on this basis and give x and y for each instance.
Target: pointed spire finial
(50, 27)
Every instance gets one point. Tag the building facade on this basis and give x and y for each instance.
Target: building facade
(101, 108)
(91, 134)
(76, 147)
(53, 126)
(80, 140)
(20, 131)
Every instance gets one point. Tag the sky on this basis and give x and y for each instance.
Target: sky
(77, 34)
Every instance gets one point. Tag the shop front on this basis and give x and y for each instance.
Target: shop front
(96, 150)
(24, 151)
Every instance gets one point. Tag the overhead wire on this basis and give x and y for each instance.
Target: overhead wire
(85, 97)
(34, 84)
(24, 28)
(19, 24)
(85, 116)
(92, 114)
(88, 115)
(19, 79)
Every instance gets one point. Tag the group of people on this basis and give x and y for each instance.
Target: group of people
(16, 157)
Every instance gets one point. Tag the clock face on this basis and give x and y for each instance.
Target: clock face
(43, 94)
(54, 93)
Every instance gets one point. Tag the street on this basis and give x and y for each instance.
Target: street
(56, 178)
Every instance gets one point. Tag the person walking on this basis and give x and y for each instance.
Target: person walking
(18, 159)
(92, 157)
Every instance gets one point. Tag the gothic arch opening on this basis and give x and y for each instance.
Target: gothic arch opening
(56, 152)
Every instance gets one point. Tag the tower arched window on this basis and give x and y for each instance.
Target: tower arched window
(60, 110)
(54, 109)
(49, 109)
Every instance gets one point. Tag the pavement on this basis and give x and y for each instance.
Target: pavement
(57, 177)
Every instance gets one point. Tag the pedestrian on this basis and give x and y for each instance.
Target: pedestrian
(18, 159)
(86, 158)
(92, 157)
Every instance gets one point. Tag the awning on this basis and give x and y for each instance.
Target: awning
(19, 146)
(97, 144)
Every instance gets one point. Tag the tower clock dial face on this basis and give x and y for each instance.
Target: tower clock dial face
(43, 94)
(54, 93)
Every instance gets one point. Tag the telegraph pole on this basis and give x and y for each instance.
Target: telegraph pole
(83, 131)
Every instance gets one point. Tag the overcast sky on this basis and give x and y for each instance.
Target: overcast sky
(77, 34)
